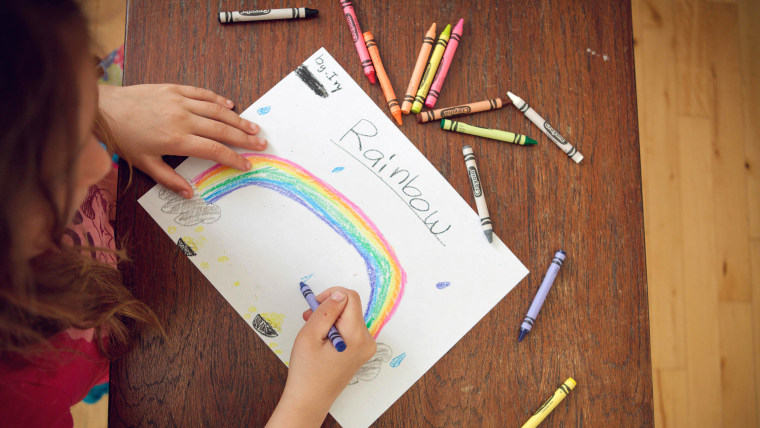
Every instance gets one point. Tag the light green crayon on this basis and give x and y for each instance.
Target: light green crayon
(494, 134)
(432, 67)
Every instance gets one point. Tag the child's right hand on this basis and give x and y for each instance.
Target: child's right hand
(318, 373)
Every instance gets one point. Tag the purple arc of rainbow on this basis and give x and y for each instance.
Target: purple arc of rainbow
(386, 276)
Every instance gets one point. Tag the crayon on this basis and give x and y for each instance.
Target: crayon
(361, 47)
(494, 134)
(432, 67)
(448, 55)
(477, 192)
(447, 112)
(390, 96)
(543, 291)
(547, 129)
(550, 404)
(332, 335)
(267, 14)
(419, 67)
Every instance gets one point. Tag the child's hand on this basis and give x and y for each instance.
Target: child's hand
(149, 121)
(318, 373)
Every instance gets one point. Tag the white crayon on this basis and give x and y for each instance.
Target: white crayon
(547, 129)
(477, 191)
(266, 14)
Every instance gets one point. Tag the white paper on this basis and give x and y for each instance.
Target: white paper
(257, 242)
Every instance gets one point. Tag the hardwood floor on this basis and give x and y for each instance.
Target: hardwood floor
(698, 83)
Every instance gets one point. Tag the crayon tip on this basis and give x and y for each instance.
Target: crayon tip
(397, 115)
(489, 235)
(311, 12)
(529, 141)
(340, 346)
(371, 77)
(523, 333)
(460, 25)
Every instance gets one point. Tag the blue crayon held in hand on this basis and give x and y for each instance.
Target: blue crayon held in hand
(332, 335)
(543, 291)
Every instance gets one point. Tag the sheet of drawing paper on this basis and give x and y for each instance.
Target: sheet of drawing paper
(340, 198)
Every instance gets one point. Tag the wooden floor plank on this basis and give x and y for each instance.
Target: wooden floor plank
(670, 395)
(702, 336)
(755, 262)
(661, 183)
(692, 60)
(749, 48)
(737, 359)
(729, 174)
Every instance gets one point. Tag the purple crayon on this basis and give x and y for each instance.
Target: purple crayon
(538, 301)
(443, 70)
(333, 335)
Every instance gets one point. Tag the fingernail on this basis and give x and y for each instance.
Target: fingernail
(230, 103)
(248, 165)
(338, 296)
(253, 126)
(185, 194)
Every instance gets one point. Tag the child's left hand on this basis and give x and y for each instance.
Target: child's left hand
(149, 121)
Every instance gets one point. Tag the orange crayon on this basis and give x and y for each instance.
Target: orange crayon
(390, 96)
(419, 67)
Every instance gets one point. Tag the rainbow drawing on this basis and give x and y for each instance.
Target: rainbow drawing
(386, 276)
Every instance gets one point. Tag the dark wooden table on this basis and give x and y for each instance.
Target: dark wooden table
(573, 61)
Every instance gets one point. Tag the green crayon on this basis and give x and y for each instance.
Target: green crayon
(494, 134)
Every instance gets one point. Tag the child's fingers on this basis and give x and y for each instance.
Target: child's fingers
(220, 131)
(216, 112)
(205, 148)
(352, 318)
(327, 313)
(203, 95)
(166, 176)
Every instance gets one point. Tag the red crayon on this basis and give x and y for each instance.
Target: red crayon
(361, 47)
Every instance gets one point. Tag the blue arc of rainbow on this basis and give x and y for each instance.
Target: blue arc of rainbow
(386, 276)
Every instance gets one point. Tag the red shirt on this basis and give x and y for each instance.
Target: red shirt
(41, 393)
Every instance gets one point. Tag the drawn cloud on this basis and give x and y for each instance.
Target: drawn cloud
(371, 368)
(189, 211)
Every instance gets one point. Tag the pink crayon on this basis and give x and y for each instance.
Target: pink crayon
(448, 55)
(361, 46)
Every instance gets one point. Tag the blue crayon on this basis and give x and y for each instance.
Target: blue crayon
(333, 335)
(543, 291)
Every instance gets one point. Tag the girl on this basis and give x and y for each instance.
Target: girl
(64, 311)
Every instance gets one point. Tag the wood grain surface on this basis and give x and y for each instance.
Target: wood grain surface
(573, 61)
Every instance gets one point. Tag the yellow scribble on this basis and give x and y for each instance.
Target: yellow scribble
(252, 309)
(278, 351)
(201, 240)
(287, 363)
(171, 229)
(199, 229)
(222, 259)
(247, 316)
(236, 283)
(192, 243)
(273, 345)
(275, 320)
(204, 265)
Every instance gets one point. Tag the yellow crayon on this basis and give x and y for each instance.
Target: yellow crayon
(432, 67)
(550, 404)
